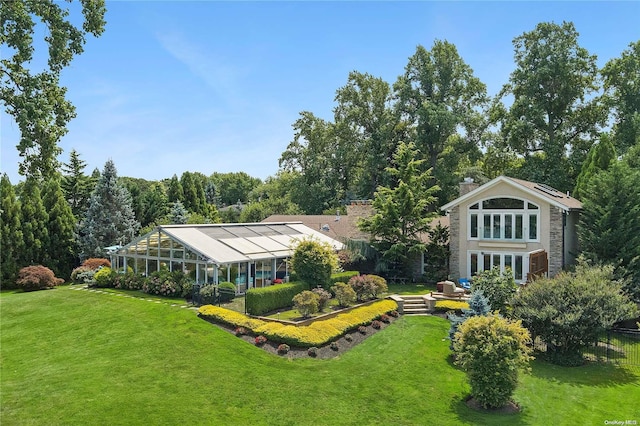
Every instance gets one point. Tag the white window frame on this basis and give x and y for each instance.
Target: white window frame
(482, 253)
(481, 213)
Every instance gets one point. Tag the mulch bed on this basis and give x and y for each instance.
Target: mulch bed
(345, 342)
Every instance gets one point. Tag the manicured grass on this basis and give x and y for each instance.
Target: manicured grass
(79, 357)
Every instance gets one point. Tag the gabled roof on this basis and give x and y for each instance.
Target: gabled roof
(238, 242)
(537, 190)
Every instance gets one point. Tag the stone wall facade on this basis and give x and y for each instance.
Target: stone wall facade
(556, 240)
(454, 243)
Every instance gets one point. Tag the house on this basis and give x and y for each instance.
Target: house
(511, 223)
(344, 228)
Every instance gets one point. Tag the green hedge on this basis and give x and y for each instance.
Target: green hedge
(262, 300)
(343, 277)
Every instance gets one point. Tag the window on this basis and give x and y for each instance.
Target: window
(485, 261)
(504, 219)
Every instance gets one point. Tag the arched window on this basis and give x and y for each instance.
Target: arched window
(503, 218)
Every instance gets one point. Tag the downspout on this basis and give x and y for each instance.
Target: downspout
(564, 226)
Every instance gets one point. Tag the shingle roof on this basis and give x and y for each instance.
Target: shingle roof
(551, 195)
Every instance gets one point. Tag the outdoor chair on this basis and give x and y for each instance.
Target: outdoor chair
(465, 284)
(449, 289)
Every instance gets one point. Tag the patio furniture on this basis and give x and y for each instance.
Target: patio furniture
(449, 289)
(464, 283)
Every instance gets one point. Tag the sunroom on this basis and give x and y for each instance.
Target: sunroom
(247, 254)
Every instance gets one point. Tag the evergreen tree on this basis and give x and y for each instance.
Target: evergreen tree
(402, 213)
(178, 215)
(76, 185)
(61, 228)
(175, 191)
(211, 193)
(609, 228)
(34, 224)
(110, 219)
(11, 244)
(154, 205)
(599, 157)
(478, 305)
(190, 199)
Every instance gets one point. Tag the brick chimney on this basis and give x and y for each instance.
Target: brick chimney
(467, 185)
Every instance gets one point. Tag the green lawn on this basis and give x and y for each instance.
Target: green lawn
(78, 357)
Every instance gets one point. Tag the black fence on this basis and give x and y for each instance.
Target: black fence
(617, 346)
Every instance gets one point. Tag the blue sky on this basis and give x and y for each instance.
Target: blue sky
(215, 86)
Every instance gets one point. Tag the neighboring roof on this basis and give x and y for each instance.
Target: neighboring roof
(341, 228)
(551, 195)
(239, 242)
(337, 227)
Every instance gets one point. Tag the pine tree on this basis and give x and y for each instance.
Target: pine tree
(76, 185)
(61, 228)
(599, 158)
(175, 191)
(178, 215)
(478, 305)
(34, 224)
(110, 219)
(11, 244)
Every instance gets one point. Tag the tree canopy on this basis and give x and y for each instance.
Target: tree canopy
(36, 100)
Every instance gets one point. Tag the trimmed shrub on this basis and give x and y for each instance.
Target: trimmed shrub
(161, 283)
(343, 277)
(227, 291)
(345, 295)
(348, 338)
(260, 340)
(334, 346)
(259, 301)
(306, 303)
(316, 334)
(364, 287)
(79, 274)
(104, 277)
(314, 261)
(312, 351)
(208, 295)
(498, 287)
(379, 285)
(129, 281)
(38, 277)
(451, 305)
(323, 297)
(362, 329)
(240, 331)
(283, 348)
(376, 324)
(95, 263)
(491, 350)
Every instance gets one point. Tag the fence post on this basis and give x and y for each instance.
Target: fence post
(608, 343)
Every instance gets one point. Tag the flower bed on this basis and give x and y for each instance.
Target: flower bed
(318, 333)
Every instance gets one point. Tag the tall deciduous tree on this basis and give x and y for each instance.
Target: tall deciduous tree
(11, 240)
(402, 212)
(76, 185)
(34, 224)
(311, 155)
(61, 227)
(438, 99)
(234, 187)
(110, 219)
(622, 83)
(35, 99)
(555, 110)
(365, 130)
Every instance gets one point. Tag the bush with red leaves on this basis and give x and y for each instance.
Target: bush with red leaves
(96, 262)
(38, 277)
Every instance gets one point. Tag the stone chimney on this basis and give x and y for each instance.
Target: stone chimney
(467, 185)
